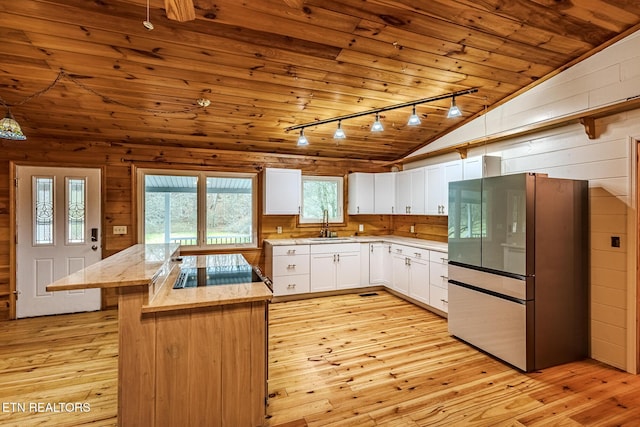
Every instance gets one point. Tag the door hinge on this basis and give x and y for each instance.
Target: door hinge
(15, 182)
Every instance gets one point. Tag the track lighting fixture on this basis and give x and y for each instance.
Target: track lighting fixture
(454, 111)
(339, 133)
(377, 126)
(302, 140)
(414, 120)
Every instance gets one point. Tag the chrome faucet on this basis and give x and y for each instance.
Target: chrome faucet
(324, 231)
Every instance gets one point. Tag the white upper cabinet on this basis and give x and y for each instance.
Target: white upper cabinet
(481, 167)
(282, 191)
(361, 192)
(384, 199)
(438, 178)
(410, 191)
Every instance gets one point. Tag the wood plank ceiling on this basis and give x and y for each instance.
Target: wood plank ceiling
(270, 64)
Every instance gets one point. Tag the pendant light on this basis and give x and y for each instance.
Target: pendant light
(302, 140)
(339, 133)
(454, 111)
(377, 125)
(10, 129)
(414, 120)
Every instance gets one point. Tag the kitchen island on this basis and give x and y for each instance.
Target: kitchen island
(193, 356)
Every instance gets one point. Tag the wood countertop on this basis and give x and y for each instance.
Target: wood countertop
(157, 266)
(137, 265)
(169, 299)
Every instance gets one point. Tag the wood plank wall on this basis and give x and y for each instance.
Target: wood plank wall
(119, 162)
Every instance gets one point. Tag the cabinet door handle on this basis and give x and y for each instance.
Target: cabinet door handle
(291, 266)
(358, 209)
(334, 257)
(418, 254)
(291, 286)
(371, 247)
(444, 277)
(291, 252)
(338, 257)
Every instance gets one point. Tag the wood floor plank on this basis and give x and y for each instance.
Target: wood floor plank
(382, 361)
(337, 361)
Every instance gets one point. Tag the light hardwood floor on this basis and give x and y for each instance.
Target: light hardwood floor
(337, 361)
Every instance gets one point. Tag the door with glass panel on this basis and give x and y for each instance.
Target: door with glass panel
(58, 233)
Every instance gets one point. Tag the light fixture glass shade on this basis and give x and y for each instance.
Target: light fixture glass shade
(414, 120)
(10, 129)
(454, 111)
(339, 133)
(302, 140)
(377, 125)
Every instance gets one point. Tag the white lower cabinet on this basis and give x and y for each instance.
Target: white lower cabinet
(288, 268)
(417, 273)
(411, 272)
(335, 266)
(380, 263)
(438, 280)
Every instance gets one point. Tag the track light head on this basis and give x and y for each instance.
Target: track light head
(414, 120)
(377, 125)
(454, 111)
(302, 140)
(339, 133)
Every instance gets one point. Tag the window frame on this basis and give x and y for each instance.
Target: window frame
(340, 219)
(201, 201)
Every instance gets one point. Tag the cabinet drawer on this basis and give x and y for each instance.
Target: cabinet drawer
(439, 257)
(290, 250)
(410, 252)
(290, 285)
(439, 298)
(288, 265)
(438, 274)
(331, 248)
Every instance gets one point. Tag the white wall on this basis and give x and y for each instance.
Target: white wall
(608, 162)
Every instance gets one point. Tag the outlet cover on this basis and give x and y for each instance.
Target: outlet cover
(361, 227)
(279, 229)
(119, 229)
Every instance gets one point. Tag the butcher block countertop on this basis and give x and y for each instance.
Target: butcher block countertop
(169, 299)
(157, 266)
(134, 266)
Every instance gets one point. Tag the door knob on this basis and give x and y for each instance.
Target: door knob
(94, 248)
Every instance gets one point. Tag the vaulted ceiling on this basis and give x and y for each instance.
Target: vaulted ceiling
(91, 71)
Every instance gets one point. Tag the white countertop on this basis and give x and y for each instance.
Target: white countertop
(417, 243)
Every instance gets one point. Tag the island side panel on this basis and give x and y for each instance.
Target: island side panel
(172, 368)
(188, 376)
(240, 395)
(206, 390)
(259, 346)
(136, 359)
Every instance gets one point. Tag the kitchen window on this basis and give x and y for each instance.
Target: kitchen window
(198, 209)
(320, 193)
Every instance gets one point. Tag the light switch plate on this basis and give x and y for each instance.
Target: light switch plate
(119, 229)
(361, 227)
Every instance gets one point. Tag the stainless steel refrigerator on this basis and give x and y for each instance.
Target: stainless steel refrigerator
(518, 268)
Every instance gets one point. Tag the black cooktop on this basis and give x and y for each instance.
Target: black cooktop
(192, 277)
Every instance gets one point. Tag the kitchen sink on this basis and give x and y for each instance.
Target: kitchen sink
(330, 239)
